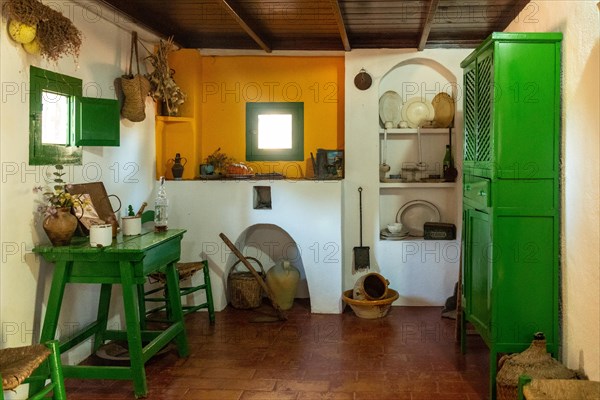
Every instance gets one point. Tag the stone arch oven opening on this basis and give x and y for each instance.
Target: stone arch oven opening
(269, 243)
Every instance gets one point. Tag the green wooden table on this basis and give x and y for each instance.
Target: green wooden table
(126, 262)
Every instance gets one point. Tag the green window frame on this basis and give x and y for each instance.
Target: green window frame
(296, 152)
(41, 153)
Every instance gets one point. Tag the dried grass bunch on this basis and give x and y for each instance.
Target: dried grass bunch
(56, 34)
(162, 84)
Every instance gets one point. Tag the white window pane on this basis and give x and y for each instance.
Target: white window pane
(55, 118)
(274, 131)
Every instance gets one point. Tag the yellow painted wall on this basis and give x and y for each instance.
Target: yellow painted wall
(229, 82)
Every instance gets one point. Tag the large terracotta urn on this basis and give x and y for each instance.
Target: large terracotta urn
(60, 227)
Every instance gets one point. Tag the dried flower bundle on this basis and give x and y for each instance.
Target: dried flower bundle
(163, 86)
(56, 34)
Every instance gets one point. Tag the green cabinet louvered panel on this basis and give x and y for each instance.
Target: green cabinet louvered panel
(470, 115)
(485, 95)
(511, 197)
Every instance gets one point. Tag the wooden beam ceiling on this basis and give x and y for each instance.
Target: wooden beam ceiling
(244, 25)
(433, 5)
(335, 5)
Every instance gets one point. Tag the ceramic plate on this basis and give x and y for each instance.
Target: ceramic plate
(387, 235)
(414, 214)
(390, 106)
(416, 112)
(443, 106)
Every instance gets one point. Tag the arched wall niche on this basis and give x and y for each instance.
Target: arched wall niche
(269, 243)
(422, 77)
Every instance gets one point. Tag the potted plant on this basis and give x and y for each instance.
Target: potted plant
(59, 224)
(219, 161)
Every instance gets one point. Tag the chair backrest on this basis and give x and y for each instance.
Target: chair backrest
(148, 216)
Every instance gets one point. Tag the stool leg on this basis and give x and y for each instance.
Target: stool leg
(209, 296)
(59, 392)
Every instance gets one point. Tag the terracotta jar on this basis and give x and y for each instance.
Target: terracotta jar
(283, 281)
(371, 286)
(60, 227)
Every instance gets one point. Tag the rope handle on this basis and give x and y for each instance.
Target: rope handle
(234, 266)
(134, 49)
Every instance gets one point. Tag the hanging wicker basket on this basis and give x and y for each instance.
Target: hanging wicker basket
(535, 362)
(244, 290)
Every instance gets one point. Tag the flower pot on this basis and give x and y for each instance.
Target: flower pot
(60, 227)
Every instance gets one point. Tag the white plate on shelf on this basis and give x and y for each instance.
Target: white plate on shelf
(416, 112)
(390, 106)
(414, 214)
(385, 234)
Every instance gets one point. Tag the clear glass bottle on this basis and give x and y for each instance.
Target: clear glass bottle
(161, 208)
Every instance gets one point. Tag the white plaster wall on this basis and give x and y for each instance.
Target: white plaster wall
(579, 22)
(309, 211)
(424, 272)
(126, 171)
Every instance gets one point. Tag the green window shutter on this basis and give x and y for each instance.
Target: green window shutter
(98, 122)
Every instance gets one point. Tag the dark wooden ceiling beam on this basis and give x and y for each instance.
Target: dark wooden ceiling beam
(337, 13)
(433, 5)
(255, 36)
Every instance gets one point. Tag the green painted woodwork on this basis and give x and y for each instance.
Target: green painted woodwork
(126, 262)
(98, 122)
(92, 121)
(48, 154)
(511, 198)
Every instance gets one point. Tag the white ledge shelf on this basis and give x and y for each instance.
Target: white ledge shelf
(413, 131)
(395, 183)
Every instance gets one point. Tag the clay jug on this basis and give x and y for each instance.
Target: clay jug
(178, 164)
(371, 286)
(283, 281)
(60, 227)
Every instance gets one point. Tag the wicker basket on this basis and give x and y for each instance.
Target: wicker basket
(244, 290)
(535, 362)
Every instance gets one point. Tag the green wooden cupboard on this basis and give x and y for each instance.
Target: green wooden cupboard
(511, 192)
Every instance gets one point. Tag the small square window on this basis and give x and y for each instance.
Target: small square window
(275, 131)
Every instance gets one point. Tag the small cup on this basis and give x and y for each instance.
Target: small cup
(101, 235)
(389, 124)
(131, 226)
(403, 124)
(394, 227)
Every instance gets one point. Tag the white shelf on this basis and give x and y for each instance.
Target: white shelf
(413, 131)
(419, 185)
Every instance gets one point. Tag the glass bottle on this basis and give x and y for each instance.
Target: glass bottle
(448, 162)
(161, 208)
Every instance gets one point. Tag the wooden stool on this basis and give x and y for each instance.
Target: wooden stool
(34, 363)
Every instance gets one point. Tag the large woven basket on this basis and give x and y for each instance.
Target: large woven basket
(535, 362)
(244, 290)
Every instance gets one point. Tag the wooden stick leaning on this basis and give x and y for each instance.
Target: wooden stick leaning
(262, 283)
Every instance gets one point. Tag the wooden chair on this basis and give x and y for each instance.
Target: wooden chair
(33, 364)
(185, 271)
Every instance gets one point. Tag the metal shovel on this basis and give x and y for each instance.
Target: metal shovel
(361, 253)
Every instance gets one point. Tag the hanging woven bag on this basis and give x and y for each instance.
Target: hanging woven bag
(135, 88)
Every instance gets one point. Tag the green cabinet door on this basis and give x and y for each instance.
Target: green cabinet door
(478, 259)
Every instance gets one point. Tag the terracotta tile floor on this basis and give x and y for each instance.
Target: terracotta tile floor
(410, 354)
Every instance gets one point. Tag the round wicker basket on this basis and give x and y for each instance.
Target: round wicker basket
(244, 290)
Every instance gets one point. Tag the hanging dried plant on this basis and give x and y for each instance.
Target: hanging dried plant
(162, 85)
(56, 34)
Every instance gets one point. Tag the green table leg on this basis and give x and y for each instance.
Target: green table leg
(57, 290)
(103, 307)
(142, 305)
(174, 308)
(493, 371)
(134, 335)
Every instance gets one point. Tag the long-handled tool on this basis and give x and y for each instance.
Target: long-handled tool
(280, 315)
(361, 253)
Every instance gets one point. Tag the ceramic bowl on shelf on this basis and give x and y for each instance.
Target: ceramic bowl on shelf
(394, 227)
